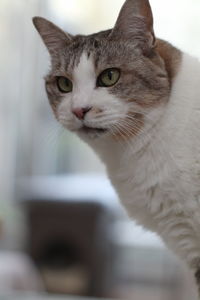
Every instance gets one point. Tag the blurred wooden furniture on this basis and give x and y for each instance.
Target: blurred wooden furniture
(71, 246)
(69, 224)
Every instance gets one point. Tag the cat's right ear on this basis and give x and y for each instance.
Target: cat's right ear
(53, 37)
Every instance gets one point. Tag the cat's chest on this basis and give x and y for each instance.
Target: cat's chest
(138, 174)
(136, 179)
(147, 192)
(145, 182)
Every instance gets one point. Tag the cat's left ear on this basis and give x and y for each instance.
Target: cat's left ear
(53, 37)
(135, 22)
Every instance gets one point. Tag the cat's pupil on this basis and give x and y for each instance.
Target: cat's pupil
(110, 75)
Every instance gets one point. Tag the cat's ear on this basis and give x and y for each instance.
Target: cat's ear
(53, 37)
(135, 22)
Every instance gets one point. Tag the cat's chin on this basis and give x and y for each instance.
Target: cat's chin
(92, 133)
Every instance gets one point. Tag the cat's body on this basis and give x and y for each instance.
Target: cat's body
(137, 104)
(163, 170)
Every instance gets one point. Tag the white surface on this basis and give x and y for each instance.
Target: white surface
(90, 188)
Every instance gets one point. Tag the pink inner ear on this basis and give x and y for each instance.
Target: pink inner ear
(146, 12)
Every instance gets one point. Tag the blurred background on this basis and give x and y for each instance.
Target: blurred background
(62, 229)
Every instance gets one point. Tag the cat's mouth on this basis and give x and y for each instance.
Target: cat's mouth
(94, 131)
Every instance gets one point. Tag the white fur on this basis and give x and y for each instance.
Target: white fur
(159, 182)
(156, 174)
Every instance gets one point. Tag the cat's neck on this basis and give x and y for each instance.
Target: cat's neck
(116, 152)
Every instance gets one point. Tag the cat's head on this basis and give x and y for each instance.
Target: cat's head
(106, 84)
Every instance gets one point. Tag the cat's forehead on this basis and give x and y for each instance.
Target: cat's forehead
(104, 52)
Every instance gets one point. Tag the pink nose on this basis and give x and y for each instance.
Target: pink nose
(81, 112)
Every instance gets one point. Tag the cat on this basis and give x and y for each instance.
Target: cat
(135, 99)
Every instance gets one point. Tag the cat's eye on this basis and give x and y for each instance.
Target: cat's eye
(64, 84)
(108, 77)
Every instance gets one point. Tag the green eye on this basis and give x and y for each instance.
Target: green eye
(108, 77)
(64, 84)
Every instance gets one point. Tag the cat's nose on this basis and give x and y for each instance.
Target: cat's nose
(80, 113)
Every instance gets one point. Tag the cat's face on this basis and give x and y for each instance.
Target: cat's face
(106, 84)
